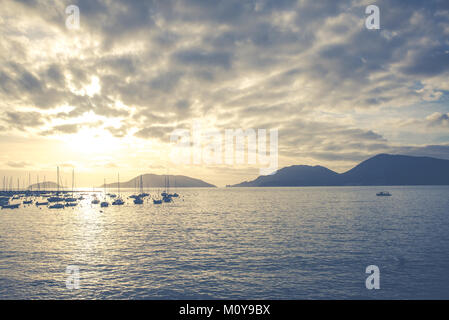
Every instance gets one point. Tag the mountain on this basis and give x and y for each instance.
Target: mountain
(295, 176)
(47, 185)
(158, 181)
(383, 169)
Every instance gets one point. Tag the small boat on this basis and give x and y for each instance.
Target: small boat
(27, 201)
(44, 203)
(11, 206)
(138, 200)
(383, 194)
(118, 202)
(72, 200)
(56, 206)
(104, 204)
(157, 201)
(55, 199)
(95, 201)
(71, 204)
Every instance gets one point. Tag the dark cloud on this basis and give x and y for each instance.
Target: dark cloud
(438, 120)
(161, 133)
(199, 58)
(22, 120)
(64, 129)
(247, 64)
(118, 132)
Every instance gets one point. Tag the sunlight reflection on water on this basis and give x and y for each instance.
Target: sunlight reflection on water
(279, 243)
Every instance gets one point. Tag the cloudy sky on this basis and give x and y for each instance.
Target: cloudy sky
(105, 97)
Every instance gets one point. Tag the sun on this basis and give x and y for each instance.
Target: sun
(93, 141)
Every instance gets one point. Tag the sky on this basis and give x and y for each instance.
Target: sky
(105, 97)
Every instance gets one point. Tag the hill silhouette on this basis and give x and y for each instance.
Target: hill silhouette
(46, 185)
(383, 169)
(158, 181)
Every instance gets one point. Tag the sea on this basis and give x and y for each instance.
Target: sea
(233, 243)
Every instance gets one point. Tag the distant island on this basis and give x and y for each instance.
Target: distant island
(46, 185)
(380, 170)
(158, 181)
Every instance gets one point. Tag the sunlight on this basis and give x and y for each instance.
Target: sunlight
(93, 142)
(94, 87)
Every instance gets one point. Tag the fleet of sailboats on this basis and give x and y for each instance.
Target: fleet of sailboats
(60, 198)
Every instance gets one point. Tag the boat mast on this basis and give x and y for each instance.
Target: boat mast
(118, 184)
(141, 185)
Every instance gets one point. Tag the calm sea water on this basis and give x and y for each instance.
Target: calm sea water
(267, 243)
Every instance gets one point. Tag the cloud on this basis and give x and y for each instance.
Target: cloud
(438, 119)
(200, 58)
(64, 129)
(19, 164)
(309, 68)
(22, 120)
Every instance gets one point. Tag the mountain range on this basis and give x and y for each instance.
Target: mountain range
(383, 169)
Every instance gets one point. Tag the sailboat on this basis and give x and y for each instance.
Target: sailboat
(166, 196)
(40, 203)
(175, 195)
(118, 201)
(104, 203)
(71, 201)
(11, 206)
(30, 191)
(157, 201)
(95, 200)
(57, 198)
(141, 195)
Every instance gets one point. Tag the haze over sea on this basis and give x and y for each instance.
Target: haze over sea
(277, 243)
